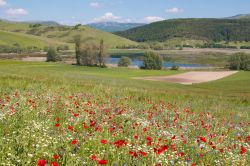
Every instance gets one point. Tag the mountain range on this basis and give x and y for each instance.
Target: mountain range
(114, 26)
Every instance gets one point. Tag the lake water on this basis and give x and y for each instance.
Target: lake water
(139, 63)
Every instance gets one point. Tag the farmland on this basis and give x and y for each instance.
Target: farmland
(71, 115)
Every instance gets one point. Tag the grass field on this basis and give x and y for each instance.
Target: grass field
(71, 115)
(24, 40)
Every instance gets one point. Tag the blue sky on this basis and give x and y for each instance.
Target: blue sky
(86, 11)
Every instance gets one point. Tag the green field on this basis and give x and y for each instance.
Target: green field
(75, 115)
(24, 40)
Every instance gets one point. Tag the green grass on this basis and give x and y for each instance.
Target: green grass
(49, 108)
(232, 92)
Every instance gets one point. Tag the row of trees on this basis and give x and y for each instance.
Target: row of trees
(89, 52)
(240, 61)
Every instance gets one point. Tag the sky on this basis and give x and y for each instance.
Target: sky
(73, 12)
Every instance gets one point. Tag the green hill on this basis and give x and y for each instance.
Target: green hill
(24, 40)
(202, 29)
(64, 34)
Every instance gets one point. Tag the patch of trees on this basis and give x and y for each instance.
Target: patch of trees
(240, 61)
(203, 29)
(214, 45)
(89, 52)
(16, 48)
(245, 47)
(35, 25)
(124, 62)
(152, 61)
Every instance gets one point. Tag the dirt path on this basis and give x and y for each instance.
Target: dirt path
(190, 78)
(34, 59)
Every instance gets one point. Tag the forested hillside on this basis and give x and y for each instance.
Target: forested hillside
(203, 29)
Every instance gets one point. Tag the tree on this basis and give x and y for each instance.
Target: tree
(102, 54)
(152, 61)
(51, 55)
(77, 40)
(240, 61)
(89, 53)
(124, 62)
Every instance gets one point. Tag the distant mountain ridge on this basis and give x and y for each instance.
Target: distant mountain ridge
(49, 23)
(240, 16)
(114, 26)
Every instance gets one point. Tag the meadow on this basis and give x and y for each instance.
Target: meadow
(70, 115)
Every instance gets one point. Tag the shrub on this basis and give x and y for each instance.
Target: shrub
(245, 47)
(62, 48)
(124, 62)
(175, 67)
(157, 46)
(51, 55)
(240, 61)
(152, 61)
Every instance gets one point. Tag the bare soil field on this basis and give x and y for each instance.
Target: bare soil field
(190, 78)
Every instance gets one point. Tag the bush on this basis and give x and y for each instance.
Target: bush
(245, 47)
(152, 61)
(62, 48)
(51, 55)
(124, 62)
(157, 46)
(214, 45)
(240, 61)
(175, 67)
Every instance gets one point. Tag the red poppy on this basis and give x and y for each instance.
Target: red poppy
(221, 150)
(161, 150)
(180, 154)
(104, 141)
(55, 156)
(57, 125)
(74, 142)
(134, 154)
(54, 163)
(102, 162)
(202, 139)
(93, 157)
(143, 153)
(41, 162)
(202, 155)
(120, 143)
(71, 128)
(149, 138)
(243, 150)
(76, 115)
(174, 137)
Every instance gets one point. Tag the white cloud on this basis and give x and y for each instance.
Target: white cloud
(3, 2)
(96, 4)
(174, 10)
(110, 17)
(16, 11)
(153, 18)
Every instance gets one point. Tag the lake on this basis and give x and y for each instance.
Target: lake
(139, 63)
